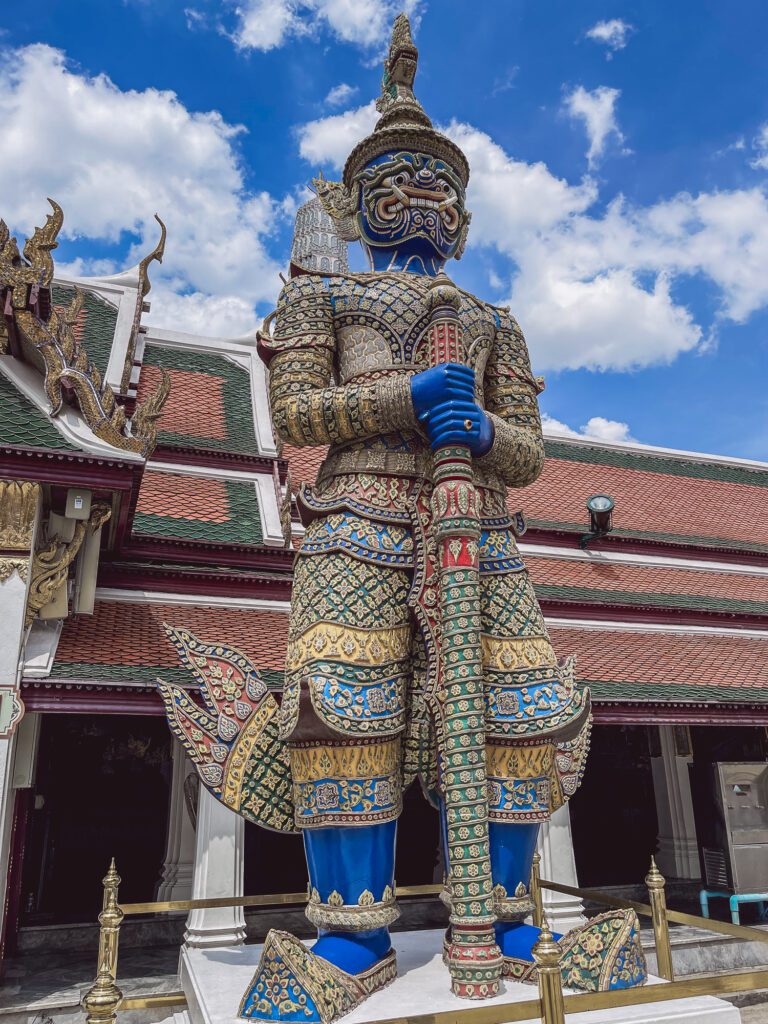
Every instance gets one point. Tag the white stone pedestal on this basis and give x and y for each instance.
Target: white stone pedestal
(215, 980)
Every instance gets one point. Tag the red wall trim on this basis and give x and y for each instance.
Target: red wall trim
(215, 459)
(205, 554)
(636, 545)
(77, 698)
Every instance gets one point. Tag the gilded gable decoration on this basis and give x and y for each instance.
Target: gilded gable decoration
(145, 286)
(49, 340)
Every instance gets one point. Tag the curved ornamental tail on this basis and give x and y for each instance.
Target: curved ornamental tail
(232, 739)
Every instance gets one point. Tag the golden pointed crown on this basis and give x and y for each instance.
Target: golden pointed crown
(403, 124)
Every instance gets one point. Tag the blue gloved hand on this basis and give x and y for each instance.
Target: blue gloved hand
(459, 422)
(439, 384)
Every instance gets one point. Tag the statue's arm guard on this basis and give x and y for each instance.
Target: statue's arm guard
(511, 400)
(307, 406)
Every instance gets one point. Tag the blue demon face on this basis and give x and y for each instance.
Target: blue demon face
(412, 201)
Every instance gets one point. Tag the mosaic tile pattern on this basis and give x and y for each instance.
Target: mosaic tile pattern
(95, 327)
(210, 401)
(176, 505)
(22, 424)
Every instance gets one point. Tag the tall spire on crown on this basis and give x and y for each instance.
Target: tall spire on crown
(403, 124)
(397, 103)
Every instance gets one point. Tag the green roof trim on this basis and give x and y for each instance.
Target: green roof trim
(148, 674)
(99, 323)
(664, 464)
(22, 423)
(704, 602)
(695, 539)
(238, 403)
(604, 690)
(243, 526)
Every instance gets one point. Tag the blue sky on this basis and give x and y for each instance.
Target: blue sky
(619, 159)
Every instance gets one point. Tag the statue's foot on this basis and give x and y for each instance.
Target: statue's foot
(601, 955)
(294, 985)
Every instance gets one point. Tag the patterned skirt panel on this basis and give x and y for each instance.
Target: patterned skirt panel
(353, 709)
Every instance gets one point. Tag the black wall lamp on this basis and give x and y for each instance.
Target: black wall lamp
(600, 508)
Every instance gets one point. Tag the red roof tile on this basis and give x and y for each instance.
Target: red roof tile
(122, 633)
(647, 502)
(694, 661)
(183, 497)
(195, 405)
(646, 579)
(303, 462)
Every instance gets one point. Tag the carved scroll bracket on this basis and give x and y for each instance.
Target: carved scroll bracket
(52, 561)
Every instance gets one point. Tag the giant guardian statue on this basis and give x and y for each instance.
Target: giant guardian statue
(417, 649)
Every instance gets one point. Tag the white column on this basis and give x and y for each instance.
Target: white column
(678, 851)
(179, 864)
(219, 849)
(558, 865)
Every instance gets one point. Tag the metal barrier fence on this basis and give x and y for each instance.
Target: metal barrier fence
(104, 999)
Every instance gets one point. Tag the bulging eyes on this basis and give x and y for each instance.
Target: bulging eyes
(445, 187)
(401, 179)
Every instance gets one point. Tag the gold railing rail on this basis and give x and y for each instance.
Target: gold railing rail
(104, 999)
(270, 900)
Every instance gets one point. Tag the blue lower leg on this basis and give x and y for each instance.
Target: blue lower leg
(512, 850)
(344, 864)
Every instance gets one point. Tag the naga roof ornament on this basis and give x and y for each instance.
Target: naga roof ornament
(46, 337)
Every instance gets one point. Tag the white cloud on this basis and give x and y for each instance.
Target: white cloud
(597, 109)
(597, 428)
(340, 94)
(612, 34)
(591, 289)
(113, 158)
(596, 289)
(760, 144)
(330, 140)
(195, 19)
(266, 24)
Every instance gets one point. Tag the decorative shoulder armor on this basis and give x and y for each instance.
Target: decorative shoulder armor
(303, 318)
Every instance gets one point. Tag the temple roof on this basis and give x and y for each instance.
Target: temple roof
(210, 405)
(565, 577)
(123, 641)
(666, 498)
(207, 509)
(22, 424)
(648, 665)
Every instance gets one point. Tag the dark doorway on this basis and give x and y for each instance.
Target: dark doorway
(728, 743)
(613, 813)
(102, 791)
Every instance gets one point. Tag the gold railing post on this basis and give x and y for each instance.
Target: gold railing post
(102, 999)
(655, 882)
(546, 953)
(538, 908)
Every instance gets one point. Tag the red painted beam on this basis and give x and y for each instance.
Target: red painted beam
(77, 698)
(642, 546)
(216, 459)
(213, 582)
(200, 553)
